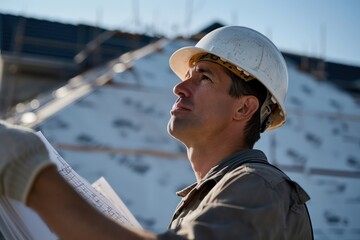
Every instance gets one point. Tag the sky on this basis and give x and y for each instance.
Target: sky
(320, 28)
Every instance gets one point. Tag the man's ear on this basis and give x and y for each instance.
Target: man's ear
(246, 107)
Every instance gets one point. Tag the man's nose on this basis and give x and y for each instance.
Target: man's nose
(182, 89)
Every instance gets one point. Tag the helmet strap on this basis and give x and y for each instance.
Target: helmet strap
(265, 112)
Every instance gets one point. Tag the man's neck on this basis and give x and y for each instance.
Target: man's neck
(205, 157)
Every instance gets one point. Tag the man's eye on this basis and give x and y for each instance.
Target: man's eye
(204, 77)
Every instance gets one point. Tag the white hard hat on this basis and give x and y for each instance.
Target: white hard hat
(252, 54)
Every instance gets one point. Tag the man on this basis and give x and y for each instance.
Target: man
(234, 83)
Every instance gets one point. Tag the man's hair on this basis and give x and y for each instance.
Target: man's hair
(239, 88)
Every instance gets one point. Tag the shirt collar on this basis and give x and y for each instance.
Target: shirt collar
(224, 166)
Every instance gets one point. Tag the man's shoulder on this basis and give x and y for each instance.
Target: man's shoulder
(249, 183)
(261, 177)
(262, 171)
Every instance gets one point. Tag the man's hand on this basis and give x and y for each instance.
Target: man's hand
(23, 159)
(22, 156)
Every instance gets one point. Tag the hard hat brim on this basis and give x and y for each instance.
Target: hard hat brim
(179, 60)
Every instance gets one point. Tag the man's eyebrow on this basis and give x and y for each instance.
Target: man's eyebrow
(202, 69)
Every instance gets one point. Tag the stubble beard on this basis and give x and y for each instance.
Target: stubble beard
(180, 128)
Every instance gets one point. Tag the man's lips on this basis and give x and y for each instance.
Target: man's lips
(179, 107)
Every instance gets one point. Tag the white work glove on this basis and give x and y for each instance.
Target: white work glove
(22, 156)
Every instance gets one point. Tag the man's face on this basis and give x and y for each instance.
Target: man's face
(204, 107)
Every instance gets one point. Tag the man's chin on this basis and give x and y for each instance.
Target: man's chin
(171, 128)
(174, 128)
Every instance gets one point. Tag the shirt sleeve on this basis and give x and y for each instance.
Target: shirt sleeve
(240, 206)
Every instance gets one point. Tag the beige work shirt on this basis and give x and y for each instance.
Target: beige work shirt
(242, 198)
